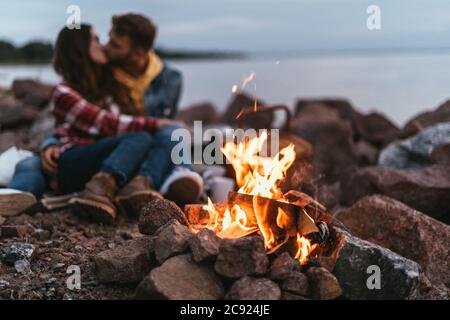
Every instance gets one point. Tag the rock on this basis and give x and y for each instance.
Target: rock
(204, 245)
(343, 108)
(296, 283)
(283, 266)
(410, 233)
(41, 234)
(22, 266)
(249, 288)
(9, 138)
(426, 190)
(399, 276)
(157, 213)
(241, 257)
(290, 296)
(441, 155)
(242, 101)
(427, 291)
(325, 130)
(2, 221)
(14, 116)
(16, 251)
(205, 112)
(323, 284)
(329, 195)
(32, 92)
(180, 278)
(366, 153)
(171, 239)
(429, 118)
(415, 152)
(11, 231)
(128, 263)
(377, 129)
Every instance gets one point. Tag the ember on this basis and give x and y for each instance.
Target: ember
(260, 205)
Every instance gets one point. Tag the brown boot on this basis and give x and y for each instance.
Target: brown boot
(134, 195)
(96, 201)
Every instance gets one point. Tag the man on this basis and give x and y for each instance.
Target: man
(154, 89)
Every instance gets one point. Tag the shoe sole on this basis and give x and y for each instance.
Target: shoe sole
(14, 203)
(131, 205)
(183, 191)
(93, 210)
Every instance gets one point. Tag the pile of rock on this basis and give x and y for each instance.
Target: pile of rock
(171, 262)
(25, 119)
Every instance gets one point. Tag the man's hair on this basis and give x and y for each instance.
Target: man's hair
(139, 29)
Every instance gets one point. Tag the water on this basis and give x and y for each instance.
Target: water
(399, 86)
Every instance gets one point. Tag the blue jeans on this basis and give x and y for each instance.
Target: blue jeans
(29, 177)
(125, 156)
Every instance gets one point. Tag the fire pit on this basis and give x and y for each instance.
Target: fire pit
(291, 222)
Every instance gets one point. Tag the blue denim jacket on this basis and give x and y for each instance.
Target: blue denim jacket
(160, 100)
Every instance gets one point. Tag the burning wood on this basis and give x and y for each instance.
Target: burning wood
(260, 205)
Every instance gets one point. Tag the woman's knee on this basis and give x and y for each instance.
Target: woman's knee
(29, 164)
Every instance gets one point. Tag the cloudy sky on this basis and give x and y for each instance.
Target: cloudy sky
(248, 25)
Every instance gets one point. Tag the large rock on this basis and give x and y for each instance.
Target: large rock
(249, 288)
(32, 92)
(426, 190)
(429, 118)
(128, 263)
(242, 101)
(180, 278)
(157, 213)
(297, 283)
(204, 245)
(408, 232)
(171, 239)
(323, 285)
(331, 138)
(16, 115)
(441, 155)
(416, 152)
(241, 257)
(283, 267)
(399, 276)
(204, 112)
(377, 129)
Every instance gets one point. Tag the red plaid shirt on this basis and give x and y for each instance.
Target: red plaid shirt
(79, 122)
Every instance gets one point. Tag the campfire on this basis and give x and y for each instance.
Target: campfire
(284, 221)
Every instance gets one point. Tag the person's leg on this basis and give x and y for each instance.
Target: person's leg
(28, 177)
(176, 182)
(158, 162)
(27, 184)
(119, 156)
(105, 166)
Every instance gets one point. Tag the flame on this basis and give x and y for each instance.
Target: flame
(257, 175)
(304, 248)
(261, 176)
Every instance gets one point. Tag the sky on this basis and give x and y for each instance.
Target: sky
(247, 25)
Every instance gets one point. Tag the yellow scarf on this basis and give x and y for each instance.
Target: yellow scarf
(138, 86)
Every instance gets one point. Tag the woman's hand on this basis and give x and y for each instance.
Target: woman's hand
(49, 159)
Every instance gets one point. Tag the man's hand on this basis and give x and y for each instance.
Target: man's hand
(49, 159)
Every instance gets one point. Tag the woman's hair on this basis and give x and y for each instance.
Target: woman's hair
(93, 81)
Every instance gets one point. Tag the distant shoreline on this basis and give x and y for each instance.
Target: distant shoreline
(37, 52)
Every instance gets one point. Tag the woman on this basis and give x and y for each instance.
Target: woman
(102, 149)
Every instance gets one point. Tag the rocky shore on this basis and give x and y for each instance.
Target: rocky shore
(391, 208)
